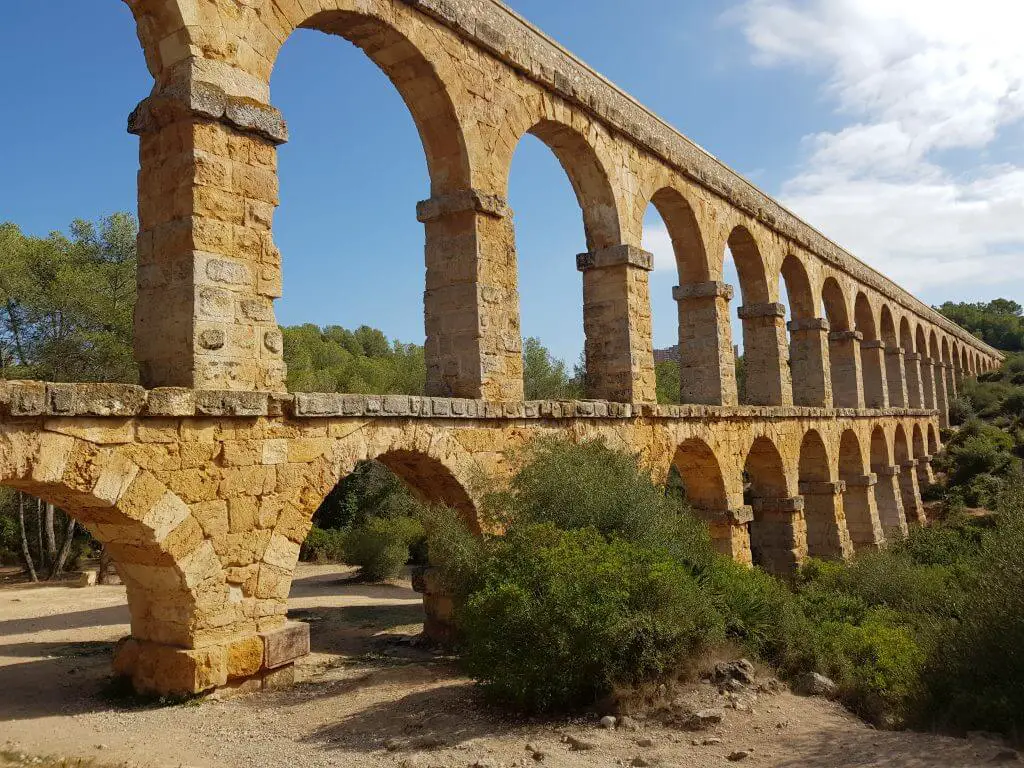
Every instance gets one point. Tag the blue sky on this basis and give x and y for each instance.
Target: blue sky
(894, 128)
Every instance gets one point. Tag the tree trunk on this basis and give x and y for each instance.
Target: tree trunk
(40, 552)
(25, 553)
(105, 563)
(51, 534)
(62, 558)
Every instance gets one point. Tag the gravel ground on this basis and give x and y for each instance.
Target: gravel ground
(368, 699)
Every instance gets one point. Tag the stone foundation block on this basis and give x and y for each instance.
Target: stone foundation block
(245, 657)
(285, 645)
(166, 670)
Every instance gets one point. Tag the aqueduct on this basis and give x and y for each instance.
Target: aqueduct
(203, 482)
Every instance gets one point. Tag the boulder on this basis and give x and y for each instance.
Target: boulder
(813, 684)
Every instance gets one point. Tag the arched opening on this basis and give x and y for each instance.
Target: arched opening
(872, 354)
(778, 533)
(368, 530)
(843, 348)
(178, 597)
(704, 488)
(546, 258)
(939, 379)
(347, 342)
(760, 376)
(909, 489)
(687, 339)
(895, 375)
(888, 498)
(912, 365)
(827, 536)
(807, 338)
(948, 378)
(927, 381)
(859, 498)
(933, 440)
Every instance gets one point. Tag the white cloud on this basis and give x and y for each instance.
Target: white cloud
(913, 78)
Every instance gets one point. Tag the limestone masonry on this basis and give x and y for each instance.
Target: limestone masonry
(202, 485)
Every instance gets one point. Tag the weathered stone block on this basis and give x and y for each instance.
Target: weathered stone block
(285, 645)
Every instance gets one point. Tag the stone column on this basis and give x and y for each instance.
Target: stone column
(471, 303)
(862, 512)
(896, 375)
(809, 360)
(925, 473)
(827, 534)
(889, 500)
(778, 534)
(915, 388)
(927, 384)
(911, 492)
(768, 380)
(952, 390)
(876, 389)
(707, 362)
(730, 531)
(208, 268)
(847, 383)
(438, 607)
(617, 324)
(941, 395)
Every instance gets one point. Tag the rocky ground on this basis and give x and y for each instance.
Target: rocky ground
(370, 698)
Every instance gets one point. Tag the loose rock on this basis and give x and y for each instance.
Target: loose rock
(607, 721)
(813, 684)
(740, 754)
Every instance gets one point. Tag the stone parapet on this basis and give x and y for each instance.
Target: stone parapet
(24, 399)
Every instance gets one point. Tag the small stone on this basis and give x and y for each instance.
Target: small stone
(704, 718)
(813, 684)
(392, 745)
(1006, 756)
(714, 741)
(735, 757)
(607, 722)
(539, 756)
(627, 723)
(645, 742)
(741, 672)
(577, 745)
(639, 762)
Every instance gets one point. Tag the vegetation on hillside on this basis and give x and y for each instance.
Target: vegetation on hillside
(999, 322)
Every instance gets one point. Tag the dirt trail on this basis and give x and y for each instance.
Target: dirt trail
(368, 699)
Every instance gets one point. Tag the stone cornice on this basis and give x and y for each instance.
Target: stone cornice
(503, 33)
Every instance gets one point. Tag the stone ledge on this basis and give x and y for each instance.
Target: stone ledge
(712, 289)
(26, 399)
(464, 201)
(615, 256)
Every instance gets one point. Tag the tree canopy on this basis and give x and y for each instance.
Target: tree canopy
(999, 322)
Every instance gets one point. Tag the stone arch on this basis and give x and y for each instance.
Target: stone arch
(808, 355)
(417, 79)
(589, 177)
(858, 498)
(933, 440)
(895, 366)
(704, 484)
(927, 380)
(888, 498)
(685, 233)
(910, 490)
(843, 347)
(876, 393)
(827, 535)
(431, 481)
(917, 435)
(765, 350)
(778, 533)
(178, 596)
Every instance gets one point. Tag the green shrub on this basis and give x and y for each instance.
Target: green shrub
(563, 618)
(877, 665)
(587, 484)
(960, 410)
(380, 545)
(323, 546)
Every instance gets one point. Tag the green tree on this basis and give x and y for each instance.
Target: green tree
(999, 322)
(545, 377)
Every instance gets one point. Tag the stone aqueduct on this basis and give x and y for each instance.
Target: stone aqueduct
(203, 483)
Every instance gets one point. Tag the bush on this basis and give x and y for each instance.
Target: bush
(323, 546)
(380, 545)
(960, 410)
(563, 618)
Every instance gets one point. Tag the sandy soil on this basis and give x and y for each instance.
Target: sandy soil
(368, 698)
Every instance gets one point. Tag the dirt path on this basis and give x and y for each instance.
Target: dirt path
(369, 700)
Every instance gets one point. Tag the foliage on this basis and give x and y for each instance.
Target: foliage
(595, 614)
(545, 377)
(667, 381)
(323, 545)
(998, 322)
(380, 545)
(66, 302)
(363, 361)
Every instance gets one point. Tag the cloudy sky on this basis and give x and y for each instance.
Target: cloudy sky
(893, 126)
